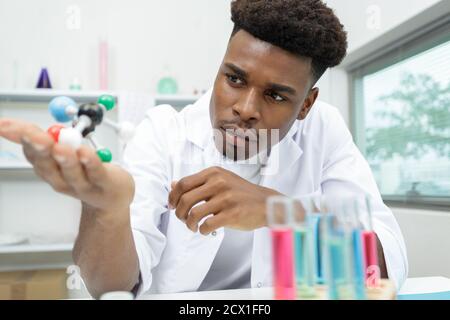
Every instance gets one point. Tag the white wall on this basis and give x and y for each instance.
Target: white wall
(368, 19)
(364, 20)
(427, 237)
(426, 233)
(144, 37)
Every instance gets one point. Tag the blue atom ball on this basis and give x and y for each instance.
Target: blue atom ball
(58, 107)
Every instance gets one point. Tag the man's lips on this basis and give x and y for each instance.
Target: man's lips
(241, 134)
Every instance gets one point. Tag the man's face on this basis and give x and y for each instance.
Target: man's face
(259, 86)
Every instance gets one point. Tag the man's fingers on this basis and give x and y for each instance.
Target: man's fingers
(28, 150)
(213, 223)
(71, 169)
(13, 129)
(46, 167)
(51, 173)
(94, 169)
(36, 142)
(190, 199)
(190, 182)
(48, 170)
(199, 212)
(185, 185)
(38, 138)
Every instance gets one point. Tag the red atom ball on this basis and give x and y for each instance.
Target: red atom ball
(54, 131)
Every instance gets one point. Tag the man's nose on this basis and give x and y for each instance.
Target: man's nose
(247, 107)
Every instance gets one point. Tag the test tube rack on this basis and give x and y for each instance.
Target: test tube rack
(322, 255)
(385, 291)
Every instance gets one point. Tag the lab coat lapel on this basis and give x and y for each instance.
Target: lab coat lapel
(196, 252)
(277, 172)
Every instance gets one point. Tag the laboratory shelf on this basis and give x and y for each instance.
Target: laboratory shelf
(45, 95)
(15, 167)
(36, 248)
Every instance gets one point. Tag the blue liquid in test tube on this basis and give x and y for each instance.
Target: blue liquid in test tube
(304, 262)
(336, 278)
(338, 260)
(314, 223)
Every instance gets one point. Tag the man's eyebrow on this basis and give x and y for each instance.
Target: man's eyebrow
(237, 70)
(273, 86)
(282, 88)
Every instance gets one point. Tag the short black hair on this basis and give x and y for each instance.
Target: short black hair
(307, 28)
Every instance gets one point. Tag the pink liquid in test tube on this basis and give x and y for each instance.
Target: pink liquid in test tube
(371, 258)
(283, 263)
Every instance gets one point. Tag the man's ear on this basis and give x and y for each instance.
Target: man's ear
(308, 104)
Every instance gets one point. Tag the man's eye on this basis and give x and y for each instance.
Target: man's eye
(275, 96)
(234, 79)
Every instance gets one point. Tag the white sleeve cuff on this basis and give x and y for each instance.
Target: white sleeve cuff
(144, 262)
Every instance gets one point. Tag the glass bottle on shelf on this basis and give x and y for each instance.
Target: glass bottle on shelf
(167, 84)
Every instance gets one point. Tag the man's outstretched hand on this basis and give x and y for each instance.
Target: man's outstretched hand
(77, 173)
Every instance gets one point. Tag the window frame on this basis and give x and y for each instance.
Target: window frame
(418, 42)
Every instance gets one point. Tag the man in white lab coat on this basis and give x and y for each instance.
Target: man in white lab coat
(188, 213)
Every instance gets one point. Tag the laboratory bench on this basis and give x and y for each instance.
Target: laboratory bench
(429, 287)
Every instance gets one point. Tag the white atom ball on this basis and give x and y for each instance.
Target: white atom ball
(71, 137)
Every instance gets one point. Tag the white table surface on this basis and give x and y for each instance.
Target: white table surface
(425, 285)
(411, 286)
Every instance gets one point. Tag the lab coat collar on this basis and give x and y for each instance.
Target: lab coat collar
(283, 155)
(198, 123)
(199, 131)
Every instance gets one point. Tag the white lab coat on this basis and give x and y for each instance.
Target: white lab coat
(317, 156)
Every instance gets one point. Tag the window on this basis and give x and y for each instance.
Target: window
(401, 104)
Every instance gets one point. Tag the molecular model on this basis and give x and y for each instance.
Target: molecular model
(85, 119)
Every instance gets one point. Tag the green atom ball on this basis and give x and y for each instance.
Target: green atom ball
(104, 155)
(108, 101)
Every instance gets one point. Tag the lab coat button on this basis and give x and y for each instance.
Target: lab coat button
(214, 233)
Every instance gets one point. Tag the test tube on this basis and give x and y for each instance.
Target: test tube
(358, 254)
(314, 225)
(337, 250)
(279, 217)
(369, 239)
(305, 251)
